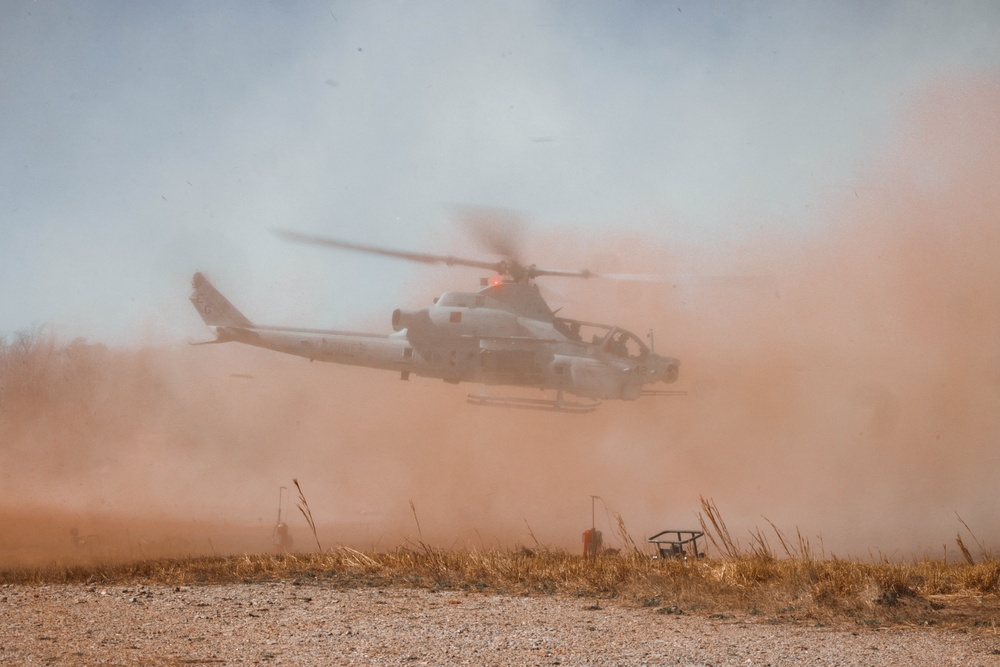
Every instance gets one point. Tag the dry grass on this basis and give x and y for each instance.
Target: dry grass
(792, 585)
(929, 592)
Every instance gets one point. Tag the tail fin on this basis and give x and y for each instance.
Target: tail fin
(214, 308)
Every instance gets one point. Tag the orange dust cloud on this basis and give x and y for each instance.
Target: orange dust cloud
(844, 382)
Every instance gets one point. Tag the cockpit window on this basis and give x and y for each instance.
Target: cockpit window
(582, 332)
(611, 340)
(625, 344)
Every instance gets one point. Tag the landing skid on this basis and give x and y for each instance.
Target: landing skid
(557, 404)
(663, 392)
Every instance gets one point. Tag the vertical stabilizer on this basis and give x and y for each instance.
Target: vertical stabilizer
(214, 308)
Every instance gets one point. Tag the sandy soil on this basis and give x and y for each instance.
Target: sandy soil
(310, 624)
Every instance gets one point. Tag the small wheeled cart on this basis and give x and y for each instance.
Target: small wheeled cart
(677, 544)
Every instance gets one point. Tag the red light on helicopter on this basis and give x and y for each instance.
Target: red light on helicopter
(496, 281)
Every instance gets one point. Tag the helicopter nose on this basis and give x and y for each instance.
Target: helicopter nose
(669, 370)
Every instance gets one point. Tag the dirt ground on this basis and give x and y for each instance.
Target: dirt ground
(289, 623)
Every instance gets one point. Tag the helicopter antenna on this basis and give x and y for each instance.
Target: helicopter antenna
(652, 345)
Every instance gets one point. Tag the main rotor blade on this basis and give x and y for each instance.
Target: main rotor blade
(507, 266)
(423, 258)
(691, 279)
(534, 272)
(638, 277)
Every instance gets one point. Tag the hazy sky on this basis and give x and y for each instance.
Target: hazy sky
(144, 141)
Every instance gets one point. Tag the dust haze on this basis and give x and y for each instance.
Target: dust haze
(844, 383)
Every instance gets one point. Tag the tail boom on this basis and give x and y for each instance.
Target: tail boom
(339, 347)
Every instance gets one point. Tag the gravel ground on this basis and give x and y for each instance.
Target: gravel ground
(313, 624)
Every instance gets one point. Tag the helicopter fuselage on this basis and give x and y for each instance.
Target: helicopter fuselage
(504, 334)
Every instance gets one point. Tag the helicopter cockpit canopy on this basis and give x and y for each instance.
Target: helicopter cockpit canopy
(609, 339)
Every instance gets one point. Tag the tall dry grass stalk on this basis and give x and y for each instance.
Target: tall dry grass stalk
(718, 533)
(416, 520)
(965, 550)
(625, 537)
(986, 553)
(538, 545)
(303, 506)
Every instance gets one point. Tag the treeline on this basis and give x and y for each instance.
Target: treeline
(36, 371)
(71, 385)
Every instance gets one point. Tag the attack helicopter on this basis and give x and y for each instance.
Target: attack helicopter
(504, 334)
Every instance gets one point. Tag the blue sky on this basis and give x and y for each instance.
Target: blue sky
(144, 141)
